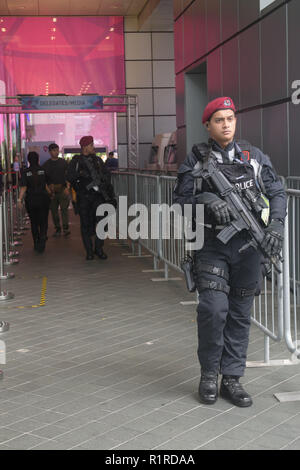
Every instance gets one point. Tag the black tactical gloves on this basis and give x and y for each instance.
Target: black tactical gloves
(272, 242)
(217, 207)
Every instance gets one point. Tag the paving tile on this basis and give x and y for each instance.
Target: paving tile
(98, 443)
(6, 434)
(25, 425)
(293, 445)
(51, 431)
(222, 443)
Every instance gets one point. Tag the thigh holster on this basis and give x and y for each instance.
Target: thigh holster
(206, 283)
(239, 292)
(212, 285)
(209, 268)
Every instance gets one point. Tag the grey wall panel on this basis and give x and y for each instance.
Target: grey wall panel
(248, 12)
(273, 65)
(250, 126)
(144, 154)
(122, 153)
(294, 114)
(249, 67)
(230, 70)
(178, 44)
(121, 129)
(213, 29)
(214, 75)
(293, 41)
(199, 13)
(275, 136)
(180, 100)
(229, 18)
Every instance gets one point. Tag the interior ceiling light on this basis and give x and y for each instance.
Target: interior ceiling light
(3, 30)
(112, 29)
(107, 37)
(54, 20)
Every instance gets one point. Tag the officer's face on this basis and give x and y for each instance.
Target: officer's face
(54, 152)
(221, 126)
(90, 149)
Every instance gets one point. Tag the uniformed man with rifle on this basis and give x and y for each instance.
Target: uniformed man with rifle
(244, 211)
(91, 182)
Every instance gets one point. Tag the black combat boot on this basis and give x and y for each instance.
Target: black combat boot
(100, 253)
(232, 390)
(208, 388)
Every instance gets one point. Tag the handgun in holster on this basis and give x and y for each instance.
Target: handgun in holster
(187, 265)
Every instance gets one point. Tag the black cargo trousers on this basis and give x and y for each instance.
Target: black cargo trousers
(87, 208)
(226, 281)
(37, 206)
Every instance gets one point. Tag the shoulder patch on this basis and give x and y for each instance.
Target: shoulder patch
(247, 154)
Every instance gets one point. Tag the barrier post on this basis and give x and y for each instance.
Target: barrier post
(4, 327)
(13, 241)
(18, 230)
(2, 274)
(8, 255)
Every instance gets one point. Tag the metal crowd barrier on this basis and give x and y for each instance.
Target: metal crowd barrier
(292, 186)
(12, 226)
(275, 309)
(291, 253)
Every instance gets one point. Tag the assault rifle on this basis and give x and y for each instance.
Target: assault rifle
(97, 179)
(242, 212)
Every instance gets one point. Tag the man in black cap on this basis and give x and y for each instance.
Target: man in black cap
(91, 181)
(227, 278)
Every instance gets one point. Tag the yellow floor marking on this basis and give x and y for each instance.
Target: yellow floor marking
(42, 299)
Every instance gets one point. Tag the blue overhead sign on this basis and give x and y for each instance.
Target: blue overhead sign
(61, 103)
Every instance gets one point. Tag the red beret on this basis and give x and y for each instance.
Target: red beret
(86, 140)
(219, 103)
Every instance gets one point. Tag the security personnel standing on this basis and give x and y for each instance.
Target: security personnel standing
(91, 181)
(35, 191)
(226, 279)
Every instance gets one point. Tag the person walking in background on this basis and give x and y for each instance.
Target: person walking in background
(55, 169)
(91, 181)
(111, 163)
(36, 192)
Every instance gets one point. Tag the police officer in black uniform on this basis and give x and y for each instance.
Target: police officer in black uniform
(35, 191)
(91, 181)
(226, 279)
